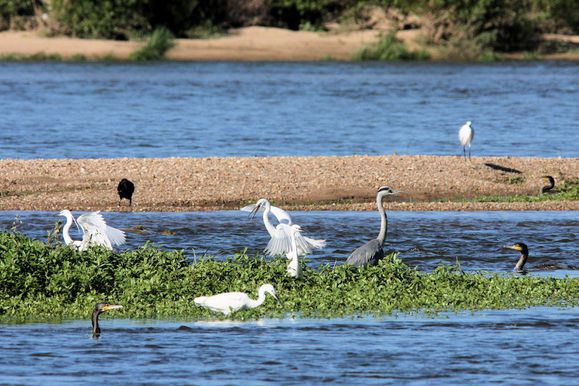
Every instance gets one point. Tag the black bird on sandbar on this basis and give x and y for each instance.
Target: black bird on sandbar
(126, 189)
(551, 184)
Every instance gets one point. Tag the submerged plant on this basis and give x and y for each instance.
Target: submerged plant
(41, 282)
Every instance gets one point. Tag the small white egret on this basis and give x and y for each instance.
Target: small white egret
(229, 302)
(371, 252)
(280, 242)
(294, 268)
(95, 231)
(466, 135)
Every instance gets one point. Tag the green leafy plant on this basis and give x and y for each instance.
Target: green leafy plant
(390, 48)
(159, 43)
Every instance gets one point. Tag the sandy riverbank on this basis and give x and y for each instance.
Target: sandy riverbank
(309, 183)
(243, 44)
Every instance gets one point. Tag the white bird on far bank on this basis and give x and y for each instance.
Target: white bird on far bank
(280, 243)
(229, 302)
(95, 231)
(466, 135)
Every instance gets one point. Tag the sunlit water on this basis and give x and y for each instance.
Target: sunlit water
(423, 239)
(536, 346)
(91, 110)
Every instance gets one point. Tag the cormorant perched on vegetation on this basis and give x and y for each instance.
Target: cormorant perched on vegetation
(99, 308)
(548, 188)
(126, 189)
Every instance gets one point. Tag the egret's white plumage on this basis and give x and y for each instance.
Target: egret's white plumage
(229, 302)
(465, 136)
(294, 268)
(95, 231)
(280, 243)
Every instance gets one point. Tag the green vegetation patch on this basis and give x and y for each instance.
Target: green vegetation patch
(390, 48)
(156, 47)
(39, 282)
(569, 191)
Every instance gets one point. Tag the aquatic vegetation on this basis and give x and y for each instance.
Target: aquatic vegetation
(159, 43)
(38, 282)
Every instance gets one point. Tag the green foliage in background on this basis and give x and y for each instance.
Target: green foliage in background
(38, 282)
(156, 47)
(389, 48)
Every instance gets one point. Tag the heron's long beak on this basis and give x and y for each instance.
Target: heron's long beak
(254, 211)
(112, 307)
(515, 247)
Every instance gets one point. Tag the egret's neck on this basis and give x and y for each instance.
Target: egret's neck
(65, 234)
(259, 301)
(521, 263)
(268, 225)
(384, 220)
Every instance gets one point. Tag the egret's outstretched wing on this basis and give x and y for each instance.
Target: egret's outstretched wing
(281, 215)
(280, 243)
(97, 232)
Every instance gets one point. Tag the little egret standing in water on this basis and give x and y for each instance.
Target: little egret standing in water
(95, 231)
(371, 252)
(466, 135)
(294, 268)
(229, 302)
(280, 242)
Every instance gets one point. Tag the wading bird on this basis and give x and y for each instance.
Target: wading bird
(466, 135)
(99, 309)
(280, 243)
(520, 266)
(95, 231)
(371, 252)
(551, 184)
(229, 302)
(294, 268)
(126, 189)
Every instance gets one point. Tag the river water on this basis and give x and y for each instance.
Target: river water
(95, 110)
(423, 239)
(536, 346)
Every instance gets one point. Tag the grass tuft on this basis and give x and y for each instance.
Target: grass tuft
(160, 41)
(38, 282)
(389, 48)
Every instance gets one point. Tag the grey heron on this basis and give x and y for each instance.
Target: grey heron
(126, 189)
(280, 242)
(229, 302)
(466, 135)
(371, 252)
(99, 309)
(95, 231)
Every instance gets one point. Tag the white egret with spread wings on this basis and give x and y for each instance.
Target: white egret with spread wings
(95, 231)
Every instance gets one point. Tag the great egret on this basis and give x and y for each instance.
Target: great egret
(95, 231)
(229, 302)
(280, 242)
(126, 189)
(551, 184)
(371, 252)
(294, 268)
(466, 135)
(99, 309)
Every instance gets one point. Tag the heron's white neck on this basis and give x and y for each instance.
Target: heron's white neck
(383, 219)
(268, 225)
(65, 234)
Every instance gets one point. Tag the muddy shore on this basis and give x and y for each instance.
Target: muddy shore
(296, 183)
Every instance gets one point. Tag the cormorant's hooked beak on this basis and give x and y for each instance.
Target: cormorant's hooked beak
(515, 247)
(112, 307)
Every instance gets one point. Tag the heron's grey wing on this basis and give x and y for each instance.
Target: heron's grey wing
(280, 243)
(367, 254)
